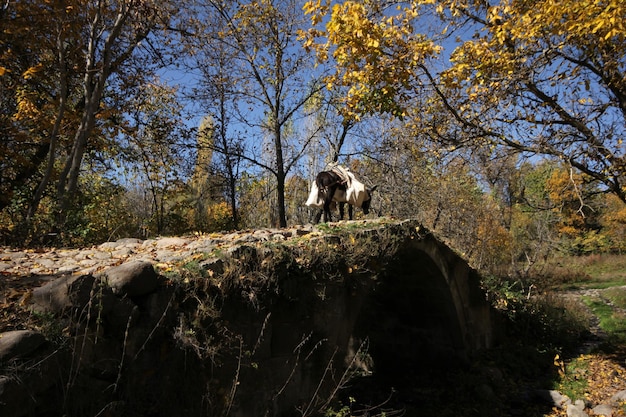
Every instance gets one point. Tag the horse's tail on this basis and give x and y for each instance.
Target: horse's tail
(318, 182)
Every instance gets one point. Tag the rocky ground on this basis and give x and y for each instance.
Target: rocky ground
(163, 252)
(21, 270)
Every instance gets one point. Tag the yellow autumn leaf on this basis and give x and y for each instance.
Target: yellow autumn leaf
(30, 72)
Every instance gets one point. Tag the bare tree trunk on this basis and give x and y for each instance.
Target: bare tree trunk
(92, 82)
(68, 181)
(103, 59)
(280, 175)
(63, 90)
(231, 175)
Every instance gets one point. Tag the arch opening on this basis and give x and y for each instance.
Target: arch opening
(410, 321)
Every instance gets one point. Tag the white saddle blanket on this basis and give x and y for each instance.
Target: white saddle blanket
(355, 194)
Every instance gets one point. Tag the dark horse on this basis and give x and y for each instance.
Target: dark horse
(334, 188)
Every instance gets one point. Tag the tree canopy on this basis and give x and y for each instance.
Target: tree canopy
(543, 78)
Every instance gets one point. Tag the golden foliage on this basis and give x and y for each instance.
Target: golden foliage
(377, 59)
(26, 107)
(494, 241)
(32, 71)
(613, 221)
(563, 188)
(218, 216)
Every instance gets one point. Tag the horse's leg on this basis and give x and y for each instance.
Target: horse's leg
(350, 211)
(341, 205)
(327, 200)
(318, 216)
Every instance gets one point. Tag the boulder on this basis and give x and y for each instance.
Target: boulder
(619, 397)
(603, 410)
(214, 265)
(69, 291)
(133, 278)
(169, 242)
(242, 251)
(577, 409)
(19, 344)
(553, 398)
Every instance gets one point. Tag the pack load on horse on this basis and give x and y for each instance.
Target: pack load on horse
(339, 185)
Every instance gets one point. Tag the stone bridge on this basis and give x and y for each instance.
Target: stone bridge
(264, 322)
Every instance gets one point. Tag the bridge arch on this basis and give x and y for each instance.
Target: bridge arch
(427, 311)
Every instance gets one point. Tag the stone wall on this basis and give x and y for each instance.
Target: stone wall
(272, 327)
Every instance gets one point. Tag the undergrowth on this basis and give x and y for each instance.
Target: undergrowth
(544, 317)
